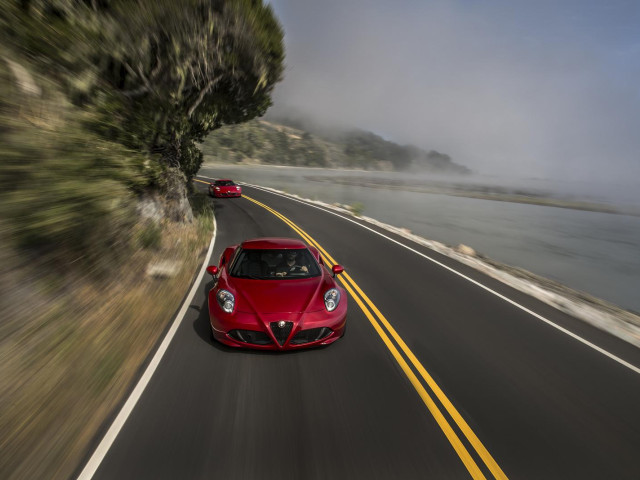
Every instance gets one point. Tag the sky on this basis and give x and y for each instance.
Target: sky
(537, 89)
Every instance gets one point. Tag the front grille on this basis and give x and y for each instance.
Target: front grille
(250, 336)
(281, 333)
(311, 335)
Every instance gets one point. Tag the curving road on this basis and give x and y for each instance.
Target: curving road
(444, 373)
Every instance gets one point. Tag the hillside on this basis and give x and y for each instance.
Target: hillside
(275, 143)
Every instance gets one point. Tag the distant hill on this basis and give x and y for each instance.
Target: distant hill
(289, 142)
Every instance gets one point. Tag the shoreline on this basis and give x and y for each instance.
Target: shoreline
(604, 315)
(454, 190)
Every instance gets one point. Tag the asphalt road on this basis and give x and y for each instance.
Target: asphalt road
(540, 403)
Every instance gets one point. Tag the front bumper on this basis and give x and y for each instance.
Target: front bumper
(261, 332)
(226, 194)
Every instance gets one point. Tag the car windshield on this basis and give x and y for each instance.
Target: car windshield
(224, 183)
(275, 264)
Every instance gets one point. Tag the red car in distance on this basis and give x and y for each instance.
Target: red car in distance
(276, 294)
(224, 188)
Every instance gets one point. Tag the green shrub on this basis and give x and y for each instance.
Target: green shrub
(150, 236)
(202, 208)
(357, 208)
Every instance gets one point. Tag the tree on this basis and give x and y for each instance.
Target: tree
(182, 69)
(162, 73)
(125, 90)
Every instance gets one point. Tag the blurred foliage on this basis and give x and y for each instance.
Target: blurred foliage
(70, 346)
(66, 191)
(103, 99)
(150, 236)
(290, 143)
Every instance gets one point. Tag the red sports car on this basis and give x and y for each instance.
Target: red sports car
(224, 188)
(276, 294)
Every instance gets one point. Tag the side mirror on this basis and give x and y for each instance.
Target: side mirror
(212, 270)
(337, 269)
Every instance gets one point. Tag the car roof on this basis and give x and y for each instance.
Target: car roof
(273, 242)
(224, 180)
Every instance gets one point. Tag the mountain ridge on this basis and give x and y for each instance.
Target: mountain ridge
(288, 142)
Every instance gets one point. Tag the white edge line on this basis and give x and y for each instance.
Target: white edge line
(499, 295)
(103, 448)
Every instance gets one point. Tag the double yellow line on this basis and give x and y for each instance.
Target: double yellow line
(376, 318)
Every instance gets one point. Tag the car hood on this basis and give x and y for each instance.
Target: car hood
(279, 296)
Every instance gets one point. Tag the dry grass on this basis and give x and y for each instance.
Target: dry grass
(71, 346)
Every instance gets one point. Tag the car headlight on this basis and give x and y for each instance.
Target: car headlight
(237, 188)
(331, 299)
(226, 300)
(217, 188)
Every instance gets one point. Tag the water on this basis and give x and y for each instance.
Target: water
(598, 253)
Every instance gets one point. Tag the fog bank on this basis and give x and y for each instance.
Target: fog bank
(520, 89)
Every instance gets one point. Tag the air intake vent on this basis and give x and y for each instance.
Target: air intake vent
(312, 335)
(250, 336)
(281, 330)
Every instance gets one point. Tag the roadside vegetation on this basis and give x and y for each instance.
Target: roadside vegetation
(102, 105)
(357, 208)
(72, 343)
